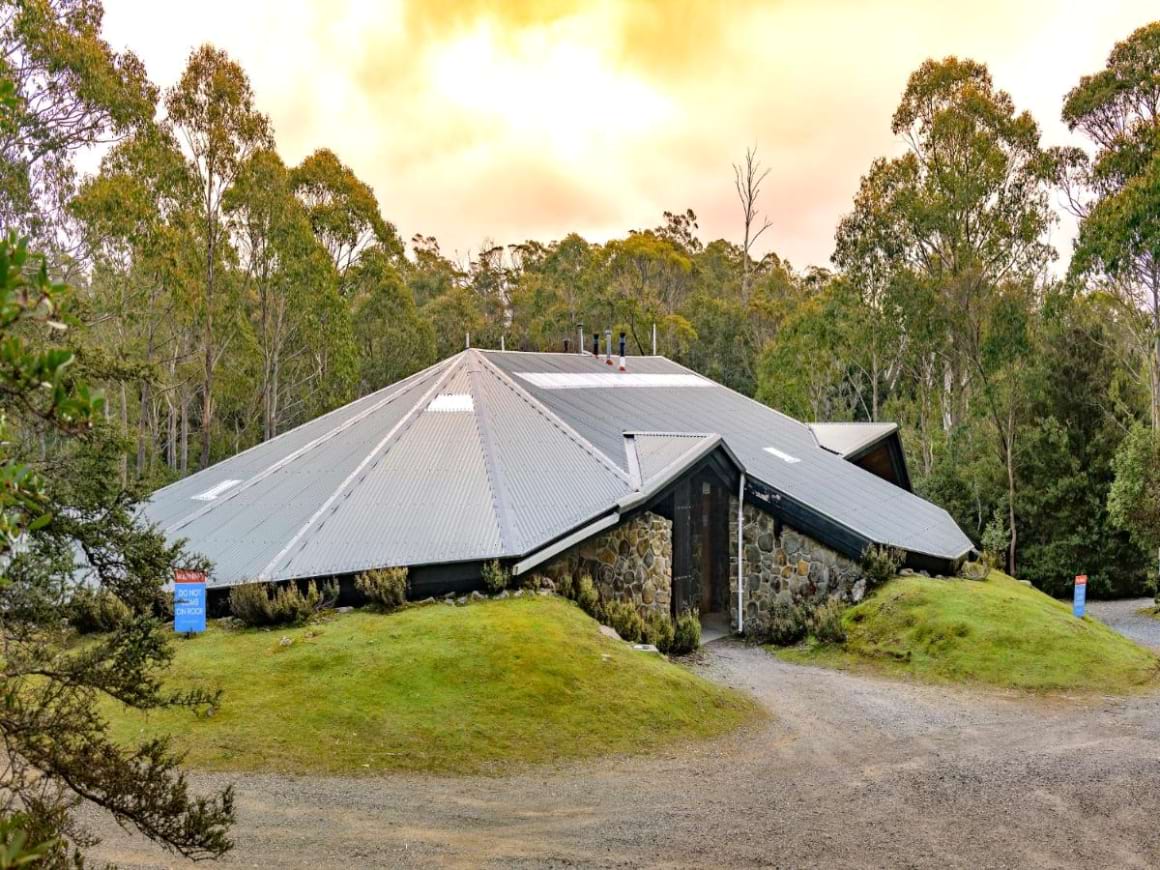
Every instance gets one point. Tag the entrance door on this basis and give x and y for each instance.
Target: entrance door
(708, 578)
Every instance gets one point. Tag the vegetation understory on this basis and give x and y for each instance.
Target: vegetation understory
(996, 632)
(442, 689)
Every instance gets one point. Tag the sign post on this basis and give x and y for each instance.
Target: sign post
(188, 601)
(1080, 598)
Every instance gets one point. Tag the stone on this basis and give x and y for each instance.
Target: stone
(503, 593)
(518, 593)
(648, 593)
(858, 591)
(461, 601)
(803, 567)
(343, 609)
(646, 647)
(285, 641)
(765, 542)
(545, 583)
(476, 595)
(610, 632)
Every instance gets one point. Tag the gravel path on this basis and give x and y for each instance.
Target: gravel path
(849, 771)
(1125, 617)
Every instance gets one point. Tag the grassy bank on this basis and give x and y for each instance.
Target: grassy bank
(437, 688)
(997, 632)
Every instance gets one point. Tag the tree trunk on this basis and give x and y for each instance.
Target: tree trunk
(1010, 450)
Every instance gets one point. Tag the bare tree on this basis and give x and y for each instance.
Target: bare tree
(747, 178)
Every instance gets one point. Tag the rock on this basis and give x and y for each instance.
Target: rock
(344, 610)
(765, 542)
(924, 573)
(476, 595)
(544, 592)
(450, 602)
(648, 594)
(545, 583)
(1025, 582)
(609, 631)
(461, 600)
(906, 572)
(803, 567)
(858, 592)
(518, 593)
(503, 593)
(285, 641)
(425, 602)
(646, 647)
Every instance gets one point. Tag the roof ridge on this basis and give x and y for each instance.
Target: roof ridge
(305, 448)
(538, 406)
(384, 442)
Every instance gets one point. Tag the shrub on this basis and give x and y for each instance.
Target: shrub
(880, 564)
(996, 539)
(687, 633)
(385, 587)
(566, 586)
(587, 596)
(96, 610)
(623, 617)
(254, 605)
(825, 623)
(786, 624)
(495, 577)
(658, 630)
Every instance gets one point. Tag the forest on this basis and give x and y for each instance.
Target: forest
(221, 296)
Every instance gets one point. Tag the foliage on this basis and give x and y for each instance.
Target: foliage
(624, 618)
(411, 679)
(261, 604)
(998, 632)
(15, 848)
(66, 507)
(386, 587)
(96, 611)
(587, 597)
(495, 577)
(995, 541)
(825, 622)
(786, 623)
(659, 631)
(686, 633)
(880, 564)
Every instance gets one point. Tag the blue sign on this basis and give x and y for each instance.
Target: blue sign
(1077, 604)
(188, 602)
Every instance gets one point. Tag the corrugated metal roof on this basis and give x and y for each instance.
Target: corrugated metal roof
(846, 494)
(847, 438)
(469, 460)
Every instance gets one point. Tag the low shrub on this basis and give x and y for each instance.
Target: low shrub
(658, 630)
(825, 623)
(587, 596)
(880, 564)
(566, 586)
(94, 610)
(623, 617)
(686, 633)
(495, 577)
(384, 587)
(257, 604)
(785, 624)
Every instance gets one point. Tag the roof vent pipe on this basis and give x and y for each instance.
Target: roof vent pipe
(654, 339)
(608, 345)
(596, 345)
(622, 351)
(567, 346)
(580, 339)
(501, 347)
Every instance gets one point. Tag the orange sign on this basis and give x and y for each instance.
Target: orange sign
(187, 575)
(1081, 579)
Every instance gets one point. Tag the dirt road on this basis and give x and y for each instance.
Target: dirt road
(848, 772)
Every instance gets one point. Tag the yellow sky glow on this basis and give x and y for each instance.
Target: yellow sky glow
(481, 121)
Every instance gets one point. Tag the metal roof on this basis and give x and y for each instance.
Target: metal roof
(847, 438)
(471, 459)
(772, 448)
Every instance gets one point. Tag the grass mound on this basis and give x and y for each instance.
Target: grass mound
(437, 688)
(999, 632)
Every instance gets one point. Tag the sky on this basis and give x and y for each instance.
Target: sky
(497, 122)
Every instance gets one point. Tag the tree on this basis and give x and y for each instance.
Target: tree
(71, 91)
(394, 340)
(56, 743)
(747, 179)
(1116, 192)
(212, 110)
(1134, 498)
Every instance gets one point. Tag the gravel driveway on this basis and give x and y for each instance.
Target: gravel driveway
(849, 771)
(1125, 617)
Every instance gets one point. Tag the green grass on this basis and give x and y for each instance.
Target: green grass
(997, 632)
(436, 688)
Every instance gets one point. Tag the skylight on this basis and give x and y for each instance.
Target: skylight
(216, 490)
(452, 403)
(781, 454)
(609, 380)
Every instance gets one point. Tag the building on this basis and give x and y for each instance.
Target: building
(563, 462)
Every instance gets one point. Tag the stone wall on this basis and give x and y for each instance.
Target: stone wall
(782, 564)
(630, 562)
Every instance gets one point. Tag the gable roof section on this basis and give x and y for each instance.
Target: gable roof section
(771, 447)
(846, 439)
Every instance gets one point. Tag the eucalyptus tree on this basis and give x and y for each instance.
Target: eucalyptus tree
(71, 91)
(1116, 190)
(212, 112)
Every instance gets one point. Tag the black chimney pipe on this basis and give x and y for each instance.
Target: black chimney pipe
(622, 351)
(596, 344)
(566, 345)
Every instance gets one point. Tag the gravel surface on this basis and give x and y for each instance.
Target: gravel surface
(849, 771)
(1125, 617)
